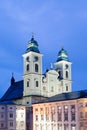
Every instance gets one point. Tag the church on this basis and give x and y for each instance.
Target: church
(37, 88)
(36, 85)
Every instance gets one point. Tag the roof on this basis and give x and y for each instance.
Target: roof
(7, 103)
(32, 46)
(62, 55)
(66, 96)
(15, 91)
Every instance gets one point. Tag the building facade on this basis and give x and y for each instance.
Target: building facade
(12, 116)
(62, 112)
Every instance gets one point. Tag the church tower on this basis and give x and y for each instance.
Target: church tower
(63, 66)
(32, 69)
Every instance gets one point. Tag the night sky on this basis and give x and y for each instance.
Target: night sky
(55, 23)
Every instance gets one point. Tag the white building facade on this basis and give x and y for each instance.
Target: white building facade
(68, 112)
(12, 117)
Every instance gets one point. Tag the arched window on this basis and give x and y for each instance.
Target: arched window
(27, 67)
(66, 88)
(37, 84)
(36, 67)
(66, 74)
(52, 89)
(28, 84)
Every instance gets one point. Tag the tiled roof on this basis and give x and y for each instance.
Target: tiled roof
(67, 96)
(15, 91)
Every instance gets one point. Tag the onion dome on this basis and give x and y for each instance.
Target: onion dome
(32, 46)
(62, 55)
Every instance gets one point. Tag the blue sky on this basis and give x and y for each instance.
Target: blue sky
(54, 23)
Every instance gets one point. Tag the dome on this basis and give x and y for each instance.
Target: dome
(32, 46)
(62, 55)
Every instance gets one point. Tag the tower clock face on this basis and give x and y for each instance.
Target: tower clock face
(66, 66)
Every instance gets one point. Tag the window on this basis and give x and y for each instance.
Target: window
(81, 124)
(2, 124)
(66, 74)
(60, 74)
(11, 115)
(44, 88)
(27, 83)
(11, 108)
(59, 113)
(66, 88)
(11, 123)
(86, 104)
(36, 117)
(36, 58)
(73, 113)
(53, 116)
(73, 126)
(37, 84)
(2, 115)
(2, 108)
(36, 109)
(22, 123)
(22, 115)
(42, 117)
(41, 109)
(81, 115)
(72, 116)
(36, 67)
(52, 89)
(66, 127)
(27, 102)
(27, 67)
(85, 114)
(81, 105)
(47, 117)
(65, 113)
(27, 59)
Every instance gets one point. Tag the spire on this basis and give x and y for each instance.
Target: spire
(51, 66)
(32, 45)
(12, 80)
(62, 48)
(32, 36)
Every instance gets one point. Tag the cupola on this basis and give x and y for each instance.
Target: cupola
(62, 55)
(32, 45)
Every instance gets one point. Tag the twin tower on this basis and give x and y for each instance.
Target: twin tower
(55, 81)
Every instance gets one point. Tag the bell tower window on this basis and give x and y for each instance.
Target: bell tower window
(27, 67)
(27, 83)
(67, 75)
(66, 88)
(36, 67)
(37, 84)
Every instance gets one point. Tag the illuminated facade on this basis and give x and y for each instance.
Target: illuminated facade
(12, 116)
(56, 80)
(61, 112)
